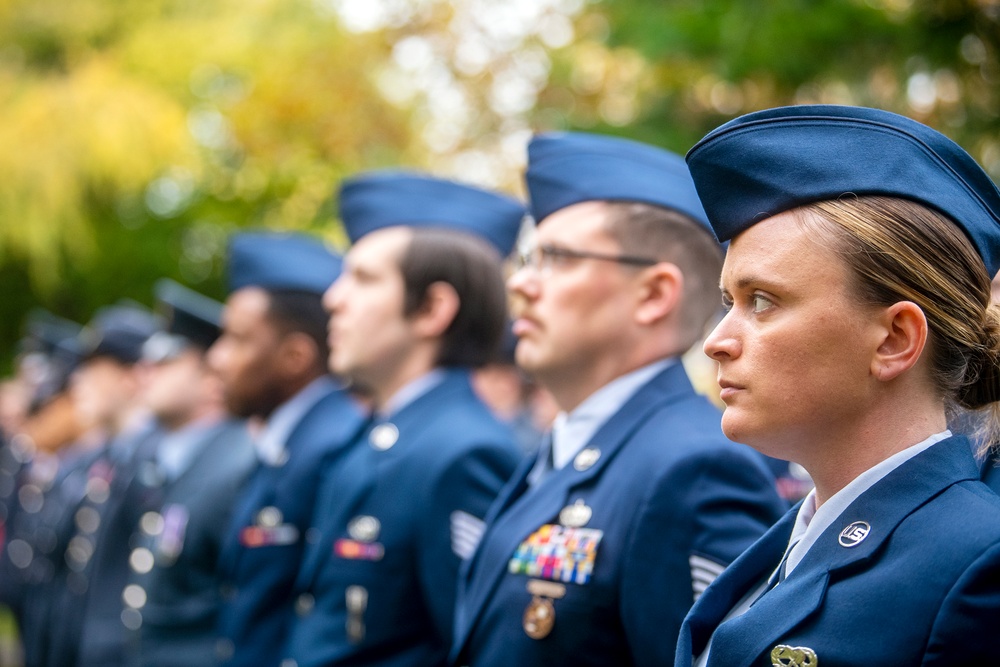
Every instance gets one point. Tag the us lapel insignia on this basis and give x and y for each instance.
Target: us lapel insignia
(575, 515)
(384, 436)
(364, 528)
(854, 534)
(783, 655)
(586, 458)
(269, 517)
(540, 616)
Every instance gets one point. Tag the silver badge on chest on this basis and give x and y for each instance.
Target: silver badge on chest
(854, 534)
(576, 515)
(586, 458)
(364, 528)
(383, 436)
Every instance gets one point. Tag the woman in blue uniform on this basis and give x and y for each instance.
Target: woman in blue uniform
(857, 286)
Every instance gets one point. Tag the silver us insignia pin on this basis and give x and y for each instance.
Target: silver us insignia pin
(383, 436)
(269, 517)
(364, 528)
(586, 458)
(854, 534)
(575, 515)
(783, 655)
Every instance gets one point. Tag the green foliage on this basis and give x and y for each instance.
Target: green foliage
(137, 134)
(706, 61)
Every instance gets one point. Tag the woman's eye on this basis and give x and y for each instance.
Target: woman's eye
(760, 303)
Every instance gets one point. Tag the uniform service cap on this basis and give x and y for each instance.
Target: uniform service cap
(48, 334)
(279, 261)
(771, 161)
(57, 342)
(376, 200)
(119, 332)
(192, 319)
(566, 168)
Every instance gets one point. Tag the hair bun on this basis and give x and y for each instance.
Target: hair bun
(982, 378)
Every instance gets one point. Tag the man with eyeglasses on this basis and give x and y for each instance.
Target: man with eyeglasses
(595, 551)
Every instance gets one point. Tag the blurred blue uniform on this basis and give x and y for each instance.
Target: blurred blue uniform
(393, 520)
(78, 549)
(33, 568)
(173, 595)
(190, 482)
(88, 606)
(398, 512)
(264, 542)
(655, 506)
(596, 560)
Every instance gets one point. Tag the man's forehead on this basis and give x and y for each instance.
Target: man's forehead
(576, 221)
(379, 246)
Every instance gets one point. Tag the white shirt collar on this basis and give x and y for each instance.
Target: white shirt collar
(270, 444)
(570, 432)
(411, 391)
(811, 522)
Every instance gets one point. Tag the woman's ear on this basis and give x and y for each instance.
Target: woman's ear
(903, 342)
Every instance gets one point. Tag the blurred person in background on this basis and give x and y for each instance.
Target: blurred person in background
(272, 360)
(599, 545)
(181, 502)
(420, 304)
(39, 421)
(52, 542)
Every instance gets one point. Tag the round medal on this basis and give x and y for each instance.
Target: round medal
(539, 618)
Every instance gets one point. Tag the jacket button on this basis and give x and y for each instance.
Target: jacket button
(304, 604)
(224, 649)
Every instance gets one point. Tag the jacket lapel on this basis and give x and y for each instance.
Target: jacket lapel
(366, 466)
(744, 575)
(355, 468)
(739, 641)
(883, 507)
(551, 494)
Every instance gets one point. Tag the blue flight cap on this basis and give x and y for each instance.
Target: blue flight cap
(192, 321)
(118, 332)
(277, 261)
(376, 200)
(55, 344)
(50, 335)
(767, 162)
(566, 168)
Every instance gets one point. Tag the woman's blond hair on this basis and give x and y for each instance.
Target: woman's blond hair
(900, 250)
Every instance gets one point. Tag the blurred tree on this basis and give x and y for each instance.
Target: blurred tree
(137, 134)
(668, 72)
